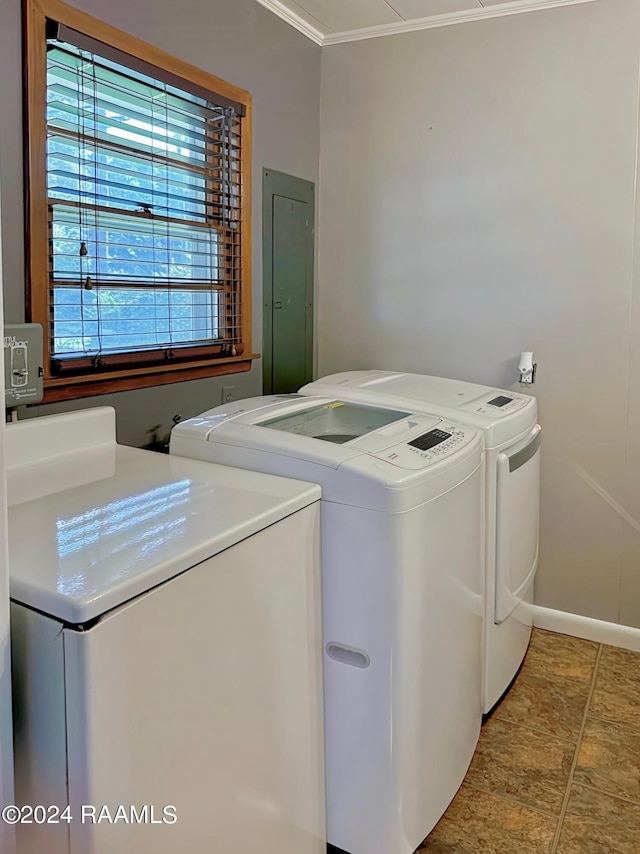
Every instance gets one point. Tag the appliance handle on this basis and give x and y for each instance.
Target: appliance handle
(524, 454)
(507, 599)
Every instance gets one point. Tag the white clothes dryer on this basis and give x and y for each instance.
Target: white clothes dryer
(166, 646)
(508, 422)
(401, 524)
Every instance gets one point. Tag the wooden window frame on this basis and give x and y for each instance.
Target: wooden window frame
(205, 362)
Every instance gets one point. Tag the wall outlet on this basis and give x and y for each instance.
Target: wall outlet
(227, 393)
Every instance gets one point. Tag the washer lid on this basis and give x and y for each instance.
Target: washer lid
(90, 530)
(336, 421)
(502, 415)
(318, 430)
(391, 468)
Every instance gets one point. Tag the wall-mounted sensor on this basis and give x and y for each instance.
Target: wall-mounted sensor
(527, 369)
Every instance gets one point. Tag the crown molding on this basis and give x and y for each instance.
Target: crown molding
(446, 20)
(296, 21)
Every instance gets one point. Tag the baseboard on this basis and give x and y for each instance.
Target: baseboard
(626, 637)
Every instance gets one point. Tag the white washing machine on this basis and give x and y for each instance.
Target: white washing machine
(166, 643)
(512, 459)
(401, 524)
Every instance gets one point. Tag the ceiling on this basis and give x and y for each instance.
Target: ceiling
(334, 21)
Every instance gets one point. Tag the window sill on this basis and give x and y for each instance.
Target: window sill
(70, 388)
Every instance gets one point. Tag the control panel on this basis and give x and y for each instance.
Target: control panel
(430, 440)
(23, 367)
(429, 447)
(496, 404)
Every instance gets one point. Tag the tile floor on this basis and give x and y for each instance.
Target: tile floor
(557, 767)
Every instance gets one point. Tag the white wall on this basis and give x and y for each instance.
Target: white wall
(477, 198)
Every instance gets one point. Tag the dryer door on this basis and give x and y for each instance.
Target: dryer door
(517, 523)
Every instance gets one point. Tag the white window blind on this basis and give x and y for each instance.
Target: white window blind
(143, 186)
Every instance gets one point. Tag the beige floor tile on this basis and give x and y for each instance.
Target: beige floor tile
(616, 696)
(596, 823)
(525, 766)
(609, 759)
(550, 704)
(517, 781)
(478, 823)
(552, 654)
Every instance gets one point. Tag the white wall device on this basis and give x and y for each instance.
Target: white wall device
(527, 368)
(23, 366)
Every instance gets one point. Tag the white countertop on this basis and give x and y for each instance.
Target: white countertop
(90, 529)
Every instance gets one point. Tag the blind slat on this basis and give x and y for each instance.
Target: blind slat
(63, 137)
(131, 220)
(65, 148)
(107, 54)
(168, 205)
(73, 119)
(68, 73)
(68, 88)
(93, 112)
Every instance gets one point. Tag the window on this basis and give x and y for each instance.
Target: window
(137, 204)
